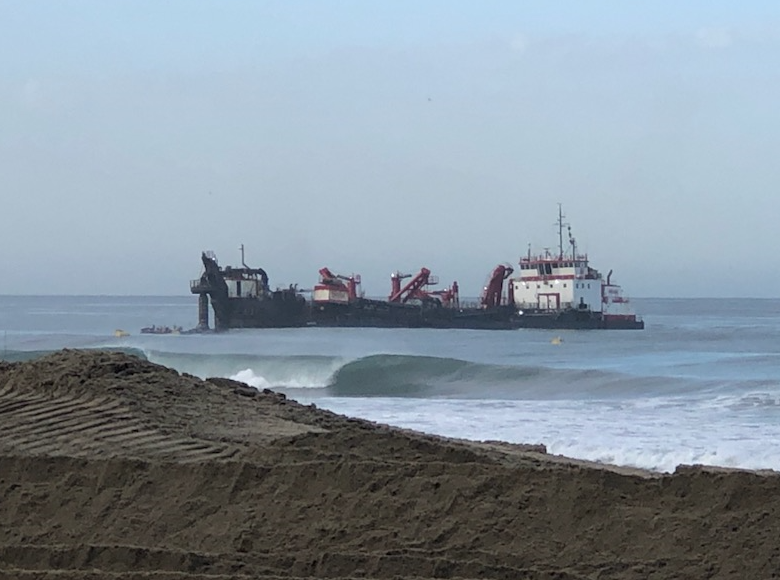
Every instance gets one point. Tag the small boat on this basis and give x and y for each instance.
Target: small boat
(161, 330)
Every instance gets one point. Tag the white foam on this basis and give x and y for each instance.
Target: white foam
(313, 379)
(250, 378)
(658, 438)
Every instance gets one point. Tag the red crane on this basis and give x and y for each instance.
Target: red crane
(447, 296)
(491, 294)
(415, 289)
(412, 287)
(348, 283)
(395, 282)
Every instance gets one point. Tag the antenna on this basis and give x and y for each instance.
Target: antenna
(242, 257)
(560, 225)
(573, 244)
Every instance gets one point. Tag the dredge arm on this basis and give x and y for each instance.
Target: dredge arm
(491, 294)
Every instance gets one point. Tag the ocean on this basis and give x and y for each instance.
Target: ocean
(700, 385)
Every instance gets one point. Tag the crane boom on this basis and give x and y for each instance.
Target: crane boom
(412, 287)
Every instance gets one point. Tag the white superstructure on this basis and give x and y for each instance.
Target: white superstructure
(564, 281)
(556, 283)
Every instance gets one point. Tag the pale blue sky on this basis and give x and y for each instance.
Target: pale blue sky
(376, 136)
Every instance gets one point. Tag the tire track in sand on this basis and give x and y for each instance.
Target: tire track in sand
(80, 426)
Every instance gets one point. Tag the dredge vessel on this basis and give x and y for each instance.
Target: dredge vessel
(557, 291)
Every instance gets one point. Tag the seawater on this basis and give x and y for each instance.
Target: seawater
(700, 385)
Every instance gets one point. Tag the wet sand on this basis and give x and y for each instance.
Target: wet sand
(113, 467)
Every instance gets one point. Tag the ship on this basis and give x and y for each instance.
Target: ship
(551, 291)
(562, 290)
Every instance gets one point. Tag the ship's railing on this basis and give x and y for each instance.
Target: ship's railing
(198, 286)
(549, 257)
(536, 305)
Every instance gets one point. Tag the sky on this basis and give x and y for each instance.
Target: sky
(374, 137)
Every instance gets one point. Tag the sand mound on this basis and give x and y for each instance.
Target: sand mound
(111, 466)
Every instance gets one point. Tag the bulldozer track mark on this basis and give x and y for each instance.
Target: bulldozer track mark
(62, 424)
(12, 406)
(45, 436)
(44, 410)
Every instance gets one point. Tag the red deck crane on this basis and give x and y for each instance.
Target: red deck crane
(332, 285)
(447, 296)
(395, 282)
(412, 287)
(491, 294)
(415, 289)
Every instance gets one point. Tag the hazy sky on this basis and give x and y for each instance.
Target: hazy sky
(376, 136)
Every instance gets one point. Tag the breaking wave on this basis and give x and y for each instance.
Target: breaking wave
(385, 375)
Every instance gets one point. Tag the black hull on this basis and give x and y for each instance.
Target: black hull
(278, 310)
(288, 311)
(380, 314)
(574, 320)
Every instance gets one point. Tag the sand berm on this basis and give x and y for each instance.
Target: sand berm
(113, 467)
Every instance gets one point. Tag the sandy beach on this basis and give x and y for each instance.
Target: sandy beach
(113, 467)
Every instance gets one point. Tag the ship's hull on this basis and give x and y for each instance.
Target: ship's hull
(278, 310)
(571, 319)
(382, 314)
(364, 313)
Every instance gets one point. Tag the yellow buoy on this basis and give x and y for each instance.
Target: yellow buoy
(556, 340)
